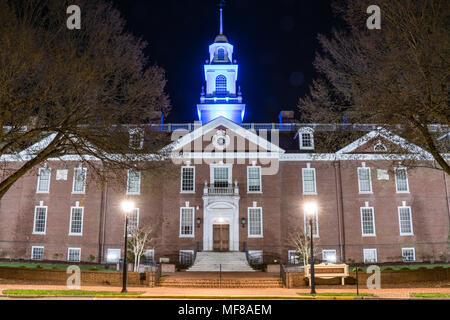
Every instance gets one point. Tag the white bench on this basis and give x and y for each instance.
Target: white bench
(328, 271)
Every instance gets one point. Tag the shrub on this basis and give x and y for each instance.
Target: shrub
(39, 266)
(91, 258)
(24, 267)
(55, 268)
(93, 269)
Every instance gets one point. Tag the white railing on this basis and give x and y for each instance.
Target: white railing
(221, 191)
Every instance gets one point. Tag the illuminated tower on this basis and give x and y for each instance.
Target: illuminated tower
(222, 97)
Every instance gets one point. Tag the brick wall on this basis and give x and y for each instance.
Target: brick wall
(60, 276)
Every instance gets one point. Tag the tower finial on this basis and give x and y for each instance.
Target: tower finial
(221, 5)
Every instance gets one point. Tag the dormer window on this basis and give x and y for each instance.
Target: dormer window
(221, 54)
(137, 138)
(380, 147)
(306, 139)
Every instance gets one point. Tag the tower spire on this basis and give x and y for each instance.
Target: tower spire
(221, 5)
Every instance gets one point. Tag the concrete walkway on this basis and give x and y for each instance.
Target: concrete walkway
(192, 293)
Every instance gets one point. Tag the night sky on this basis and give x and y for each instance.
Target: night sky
(274, 43)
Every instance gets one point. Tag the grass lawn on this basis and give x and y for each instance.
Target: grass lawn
(67, 293)
(410, 267)
(430, 295)
(46, 266)
(336, 294)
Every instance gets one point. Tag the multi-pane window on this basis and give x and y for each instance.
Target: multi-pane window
(367, 222)
(370, 255)
(136, 138)
(76, 221)
(309, 181)
(256, 257)
(329, 256)
(133, 221)
(408, 254)
(186, 257)
(43, 180)
(149, 256)
(187, 179)
(306, 140)
(255, 226)
(221, 177)
(113, 255)
(254, 179)
(74, 254)
(37, 253)
(79, 180)
(405, 221)
(293, 257)
(40, 220)
(221, 54)
(364, 180)
(401, 180)
(221, 84)
(187, 222)
(134, 182)
(315, 226)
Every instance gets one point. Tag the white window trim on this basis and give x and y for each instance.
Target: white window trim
(193, 223)
(414, 254)
(76, 249)
(374, 234)
(296, 259)
(34, 221)
(370, 250)
(315, 182)
(260, 180)
(259, 253)
(37, 247)
(327, 251)
(39, 180)
(370, 181)
(116, 250)
(302, 131)
(128, 183)
(260, 236)
(125, 222)
(407, 180)
(84, 184)
(307, 226)
(230, 172)
(410, 221)
(184, 251)
(181, 180)
(70, 223)
(141, 133)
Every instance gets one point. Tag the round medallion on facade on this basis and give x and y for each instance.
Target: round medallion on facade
(221, 140)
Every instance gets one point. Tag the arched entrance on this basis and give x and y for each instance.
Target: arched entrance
(221, 227)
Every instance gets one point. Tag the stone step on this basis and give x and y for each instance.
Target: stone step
(225, 261)
(225, 283)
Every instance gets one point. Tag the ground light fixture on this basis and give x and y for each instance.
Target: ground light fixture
(311, 210)
(127, 207)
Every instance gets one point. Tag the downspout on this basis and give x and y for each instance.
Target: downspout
(447, 199)
(101, 234)
(340, 209)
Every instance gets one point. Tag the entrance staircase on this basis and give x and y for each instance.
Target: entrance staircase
(221, 261)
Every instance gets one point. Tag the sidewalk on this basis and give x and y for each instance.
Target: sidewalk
(193, 293)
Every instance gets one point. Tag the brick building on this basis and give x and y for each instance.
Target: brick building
(239, 187)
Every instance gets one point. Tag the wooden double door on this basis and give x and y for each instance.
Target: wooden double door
(221, 237)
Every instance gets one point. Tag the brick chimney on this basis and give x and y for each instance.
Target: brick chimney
(286, 117)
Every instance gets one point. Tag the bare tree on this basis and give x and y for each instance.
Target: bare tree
(302, 244)
(78, 93)
(396, 77)
(140, 240)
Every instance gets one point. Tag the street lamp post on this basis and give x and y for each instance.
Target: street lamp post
(311, 209)
(127, 206)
